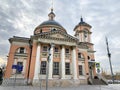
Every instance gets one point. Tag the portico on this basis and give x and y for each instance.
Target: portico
(62, 64)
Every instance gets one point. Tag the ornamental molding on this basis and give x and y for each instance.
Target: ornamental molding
(55, 35)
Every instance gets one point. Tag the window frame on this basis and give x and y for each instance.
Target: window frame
(80, 68)
(67, 50)
(55, 68)
(67, 68)
(22, 50)
(43, 67)
(19, 63)
(56, 49)
(45, 48)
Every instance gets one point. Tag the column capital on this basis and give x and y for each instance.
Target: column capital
(38, 43)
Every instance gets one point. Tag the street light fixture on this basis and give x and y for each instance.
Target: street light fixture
(48, 60)
(109, 56)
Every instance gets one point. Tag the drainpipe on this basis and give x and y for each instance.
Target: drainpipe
(30, 46)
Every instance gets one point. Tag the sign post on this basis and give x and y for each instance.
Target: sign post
(18, 68)
(97, 64)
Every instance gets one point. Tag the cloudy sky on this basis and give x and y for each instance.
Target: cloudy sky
(20, 17)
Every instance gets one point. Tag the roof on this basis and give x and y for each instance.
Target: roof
(50, 22)
(82, 23)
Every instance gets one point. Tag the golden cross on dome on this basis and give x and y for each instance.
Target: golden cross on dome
(51, 4)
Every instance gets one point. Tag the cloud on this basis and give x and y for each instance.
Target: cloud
(20, 17)
(2, 62)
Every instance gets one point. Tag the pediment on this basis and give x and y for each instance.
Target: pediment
(61, 36)
(58, 36)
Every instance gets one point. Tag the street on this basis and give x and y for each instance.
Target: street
(81, 87)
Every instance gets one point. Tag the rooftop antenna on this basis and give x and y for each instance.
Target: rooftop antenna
(109, 56)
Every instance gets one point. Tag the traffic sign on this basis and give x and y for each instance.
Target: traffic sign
(97, 65)
(98, 70)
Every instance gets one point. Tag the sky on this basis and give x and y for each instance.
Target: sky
(21, 17)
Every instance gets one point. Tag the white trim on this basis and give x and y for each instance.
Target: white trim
(37, 63)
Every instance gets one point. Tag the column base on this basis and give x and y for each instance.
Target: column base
(63, 78)
(50, 78)
(28, 81)
(75, 78)
(35, 82)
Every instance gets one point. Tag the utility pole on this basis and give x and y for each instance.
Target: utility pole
(109, 56)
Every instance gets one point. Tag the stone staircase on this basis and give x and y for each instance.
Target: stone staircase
(13, 82)
(98, 82)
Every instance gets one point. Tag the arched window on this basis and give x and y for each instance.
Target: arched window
(40, 30)
(21, 50)
(80, 55)
(88, 57)
(85, 35)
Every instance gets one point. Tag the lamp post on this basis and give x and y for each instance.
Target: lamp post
(109, 56)
(47, 67)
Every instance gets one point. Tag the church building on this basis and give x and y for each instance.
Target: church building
(52, 52)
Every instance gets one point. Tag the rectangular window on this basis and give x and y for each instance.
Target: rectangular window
(21, 50)
(43, 67)
(67, 68)
(80, 70)
(79, 55)
(56, 49)
(56, 68)
(45, 48)
(66, 50)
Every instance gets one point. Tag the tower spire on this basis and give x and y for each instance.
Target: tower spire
(81, 19)
(51, 14)
(51, 4)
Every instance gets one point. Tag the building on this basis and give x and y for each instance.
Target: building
(71, 58)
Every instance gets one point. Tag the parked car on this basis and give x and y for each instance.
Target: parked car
(1, 76)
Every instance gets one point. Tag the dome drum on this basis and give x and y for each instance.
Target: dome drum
(48, 26)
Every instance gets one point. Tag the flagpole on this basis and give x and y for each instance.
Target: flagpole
(109, 56)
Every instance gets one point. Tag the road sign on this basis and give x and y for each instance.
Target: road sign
(98, 70)
(14, 66)
(97, 65)
(17, 67)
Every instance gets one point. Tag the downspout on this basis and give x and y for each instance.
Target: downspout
(30, 46)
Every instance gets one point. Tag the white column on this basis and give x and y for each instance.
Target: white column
(37, 63)
(74, 63)
(63, 63)
(51, 63)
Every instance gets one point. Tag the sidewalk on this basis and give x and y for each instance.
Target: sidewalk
(82, 87)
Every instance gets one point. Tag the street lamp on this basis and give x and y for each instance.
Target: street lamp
(109, 56)
(48, 60)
